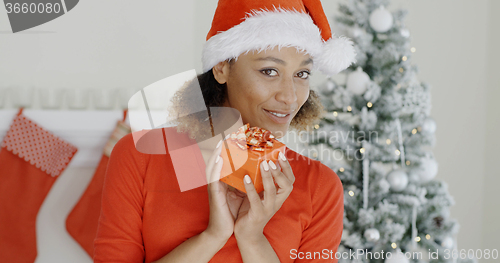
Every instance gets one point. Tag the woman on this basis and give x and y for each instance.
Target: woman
(259, 65)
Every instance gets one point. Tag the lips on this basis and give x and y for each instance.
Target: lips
(280, 120)
(279, 111)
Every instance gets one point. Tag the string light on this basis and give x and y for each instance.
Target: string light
(404, 58)
(335, 114)
(399, 85)
(349, 108)
(407, 162)
(401, 70)
(417, 239)
(393, 245)
(315, 154)
(428, 236)
(316, 126)
(413, 131)
(351, 193)
(413, 50)
(398, 152)
(388, 141)
(341, 169)
(369, 104)
(362, 150)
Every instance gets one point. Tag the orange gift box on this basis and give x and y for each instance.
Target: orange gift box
(242, 154)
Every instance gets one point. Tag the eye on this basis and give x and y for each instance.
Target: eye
(304, 74)
(270, 72)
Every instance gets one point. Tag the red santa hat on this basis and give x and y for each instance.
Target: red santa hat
(240, 26)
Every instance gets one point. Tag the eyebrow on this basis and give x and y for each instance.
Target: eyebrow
(282, 62)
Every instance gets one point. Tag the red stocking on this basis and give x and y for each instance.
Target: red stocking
(31, 159)
(83, 219)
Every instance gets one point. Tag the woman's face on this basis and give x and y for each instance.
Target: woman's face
(260, 84)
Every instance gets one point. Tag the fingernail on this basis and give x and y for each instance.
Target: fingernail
(282, 156)
(219, 144)
(266, 167)
(217, 159)
(247, 179)
(227, 137)
(271, 163)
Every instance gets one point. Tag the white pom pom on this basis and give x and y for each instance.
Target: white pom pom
(338, 54)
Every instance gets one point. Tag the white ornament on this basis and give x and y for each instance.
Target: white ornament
(397, 257)
(428, 169)
(356, 32)
(398, 179)
(345, 234)
(372, 235)
(329, 85)
(447, 242)
(429, 125)
(405, 32)
(381, 20)
(357, 81)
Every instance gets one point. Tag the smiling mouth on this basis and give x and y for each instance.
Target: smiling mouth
(277, 114)
(277, 117)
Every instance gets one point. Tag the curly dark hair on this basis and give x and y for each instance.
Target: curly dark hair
(215, 94)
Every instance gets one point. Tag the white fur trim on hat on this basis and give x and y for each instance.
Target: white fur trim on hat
(264, 29)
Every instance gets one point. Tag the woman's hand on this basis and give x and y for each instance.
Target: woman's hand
(254, 212)
(223, 204)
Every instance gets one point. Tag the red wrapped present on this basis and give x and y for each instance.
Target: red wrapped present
(247, 148)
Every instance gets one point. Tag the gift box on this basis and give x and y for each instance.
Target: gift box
(243, 151)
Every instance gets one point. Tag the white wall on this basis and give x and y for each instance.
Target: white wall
(491, 213)
(115, 43)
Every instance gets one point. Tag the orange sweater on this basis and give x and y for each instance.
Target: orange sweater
(144, 214)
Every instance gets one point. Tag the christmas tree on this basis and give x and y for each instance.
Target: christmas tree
(377, 135)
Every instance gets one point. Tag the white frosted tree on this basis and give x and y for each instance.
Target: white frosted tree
(377, 135)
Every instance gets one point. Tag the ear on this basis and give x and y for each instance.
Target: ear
(221, 71)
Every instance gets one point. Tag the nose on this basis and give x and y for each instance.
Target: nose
(287, 91)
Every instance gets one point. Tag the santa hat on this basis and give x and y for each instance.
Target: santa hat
(240, 26)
